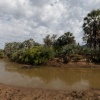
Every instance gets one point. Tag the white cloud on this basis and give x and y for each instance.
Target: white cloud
(24, 19)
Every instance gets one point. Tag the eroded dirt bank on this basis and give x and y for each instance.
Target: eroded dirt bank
(72, 64)
(17, 93)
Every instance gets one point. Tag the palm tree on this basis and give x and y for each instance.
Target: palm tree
(66, 38)
(91, 27)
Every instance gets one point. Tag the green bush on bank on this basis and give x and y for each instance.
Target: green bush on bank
(1, 53)
(35, 56)
(68, 51)
(92, 54)
(17, 55)
(95, 56)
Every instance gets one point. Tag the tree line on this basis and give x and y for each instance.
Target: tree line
(63, 47)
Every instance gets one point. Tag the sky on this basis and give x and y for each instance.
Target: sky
(24, 19)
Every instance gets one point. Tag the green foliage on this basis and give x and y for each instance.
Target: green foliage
(36, 55)
(65, 39)
(1, 53)
(13, 47)
(67, 51)
(95, 56)
(91, 54)
(72, 49)
(91, 29)
(77, 57)
(48, 41)
(18, 55)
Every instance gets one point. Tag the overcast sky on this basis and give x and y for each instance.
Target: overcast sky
(24, 19)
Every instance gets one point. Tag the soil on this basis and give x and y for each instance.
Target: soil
(17, 93)
(72, 64)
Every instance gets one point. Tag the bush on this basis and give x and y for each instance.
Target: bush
(91, 54)
(18, 55)
(66, 51)
(1, 53)
(36, 55)
(77, 57)
(95, 56)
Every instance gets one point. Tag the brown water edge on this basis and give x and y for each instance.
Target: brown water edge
(16, 93)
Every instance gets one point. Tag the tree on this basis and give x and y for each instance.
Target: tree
(28, 43)
(48, 41)
(91, 28)
(12, 47)
(66, 38)
(1, 53)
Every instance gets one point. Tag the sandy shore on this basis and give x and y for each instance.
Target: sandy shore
(17, 93)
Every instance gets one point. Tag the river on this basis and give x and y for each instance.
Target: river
(49, 77)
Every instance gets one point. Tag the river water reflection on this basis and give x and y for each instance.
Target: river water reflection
(49, 77)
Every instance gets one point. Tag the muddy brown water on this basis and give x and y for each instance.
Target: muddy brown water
(49, 77)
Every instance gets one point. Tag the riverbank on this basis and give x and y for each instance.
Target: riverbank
(56, 63)
(72, 64)
(17, 93)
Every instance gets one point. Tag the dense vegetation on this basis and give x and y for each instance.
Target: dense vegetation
(30, 52)
(1, 54)
(63, 47)
(36, 55)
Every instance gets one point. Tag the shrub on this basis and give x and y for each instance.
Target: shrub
(1, 53)
(95, 56)
(36, 55)
(18, 55)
